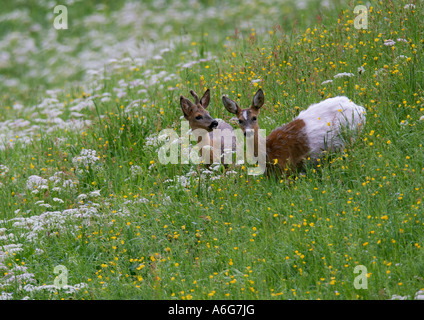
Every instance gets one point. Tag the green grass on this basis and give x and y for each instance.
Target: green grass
(173, 232)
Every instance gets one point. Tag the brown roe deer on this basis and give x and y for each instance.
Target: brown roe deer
(199, 118)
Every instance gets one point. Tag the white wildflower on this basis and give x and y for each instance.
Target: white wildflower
(86, 158)
(152, 140)
(167, 200)
(95, 193)
(398, 297)
(419, 295)
(56, 177)
(37, 182)
(11, 248)
(3, 170)
(380, 71)
(69, 183)
(75, 114)
(18, 107)
(389, 42)
(50, 288)
(6, 296)
(136, 171)
(82, 196)
(181, 181)
(344, 74)
(400, 57)
(46, 205)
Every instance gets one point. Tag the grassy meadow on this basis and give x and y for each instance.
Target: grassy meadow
(81, 185)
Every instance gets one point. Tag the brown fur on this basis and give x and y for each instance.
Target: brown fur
(192, 111)
(252, 113)
(199, 118)
(197, 109)
(288, 145)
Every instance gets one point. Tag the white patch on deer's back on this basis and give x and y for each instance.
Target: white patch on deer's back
(334, 113)
(245, 114)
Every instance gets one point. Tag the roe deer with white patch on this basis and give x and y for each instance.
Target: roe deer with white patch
(314, 131)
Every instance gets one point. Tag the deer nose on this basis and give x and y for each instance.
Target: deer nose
(248, 133)
(214, 124)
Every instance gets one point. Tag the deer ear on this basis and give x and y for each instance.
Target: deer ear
(206, 99)
(230, 105)
(186, 106)
(258, 99)
(195, 96)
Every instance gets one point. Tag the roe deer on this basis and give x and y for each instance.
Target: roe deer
(199, 118)
(315, 130)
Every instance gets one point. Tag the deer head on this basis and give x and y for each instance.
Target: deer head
(248, 118)
(196, 113)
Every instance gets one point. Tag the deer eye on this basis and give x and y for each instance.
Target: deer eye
(199, 118)
(253, 118)
(240, 121)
